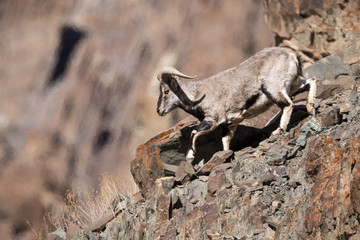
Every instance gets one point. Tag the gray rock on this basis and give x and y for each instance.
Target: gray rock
(184, 172)
(352, 52)
(217, 159)
(164, 185)
(308, 129)
(119, 203)
(86, 235)
(216, 182)
(276, 155)
(330, 67)
(58, 234)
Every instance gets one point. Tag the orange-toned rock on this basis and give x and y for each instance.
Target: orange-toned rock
(160, 156)
(334, 198)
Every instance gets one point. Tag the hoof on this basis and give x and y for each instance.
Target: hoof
(190, 155)
(310, 109)
(278, 131)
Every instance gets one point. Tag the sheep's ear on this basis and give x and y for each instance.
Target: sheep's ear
(175, 88)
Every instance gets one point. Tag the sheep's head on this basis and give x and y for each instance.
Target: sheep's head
(171, 95)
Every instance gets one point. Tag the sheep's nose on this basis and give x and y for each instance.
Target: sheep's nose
(160, 112)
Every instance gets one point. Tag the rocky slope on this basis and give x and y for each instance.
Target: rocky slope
(302, 185)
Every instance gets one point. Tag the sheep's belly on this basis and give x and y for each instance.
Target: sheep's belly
(260, 106)
(256, 110)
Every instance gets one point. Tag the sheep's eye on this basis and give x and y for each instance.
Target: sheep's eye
(166, 91)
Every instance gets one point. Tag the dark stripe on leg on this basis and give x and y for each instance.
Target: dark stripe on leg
(251, 101)
(280, 104)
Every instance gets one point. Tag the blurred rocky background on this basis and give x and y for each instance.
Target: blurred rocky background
(78, 89)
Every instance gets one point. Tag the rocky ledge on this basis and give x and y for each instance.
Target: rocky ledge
(304, 184)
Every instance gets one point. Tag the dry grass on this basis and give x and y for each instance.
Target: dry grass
(85, 207)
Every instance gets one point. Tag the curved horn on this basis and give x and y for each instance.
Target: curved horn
(173, 71)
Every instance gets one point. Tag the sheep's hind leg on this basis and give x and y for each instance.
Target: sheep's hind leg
(286, 112)
(308, 85)
(204, 127)
(311, 95)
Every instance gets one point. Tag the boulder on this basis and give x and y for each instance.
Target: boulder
(217, 159)
(162, 154)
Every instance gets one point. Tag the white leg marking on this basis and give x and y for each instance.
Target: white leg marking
(285, 118)
(311, 96)
(226, 143)
(190, 155)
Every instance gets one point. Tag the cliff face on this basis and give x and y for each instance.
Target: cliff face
(78, 88)
(301, 185)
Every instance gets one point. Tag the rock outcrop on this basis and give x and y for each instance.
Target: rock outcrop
(301, 185)
(314, 29)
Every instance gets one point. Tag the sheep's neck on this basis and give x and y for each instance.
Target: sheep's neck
(195, 111)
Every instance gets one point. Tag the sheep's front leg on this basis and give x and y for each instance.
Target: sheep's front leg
(207, 125)
(228, 134)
